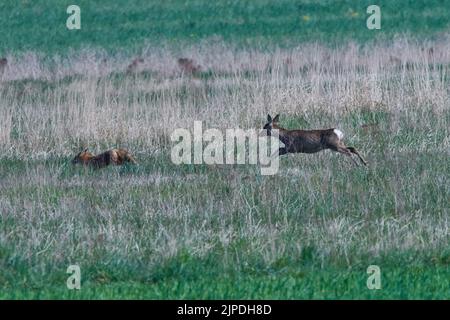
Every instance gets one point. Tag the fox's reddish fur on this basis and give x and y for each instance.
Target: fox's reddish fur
(114, 157)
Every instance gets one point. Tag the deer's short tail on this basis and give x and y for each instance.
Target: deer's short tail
(339, 133)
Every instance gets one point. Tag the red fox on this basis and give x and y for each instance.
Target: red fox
(114, 156)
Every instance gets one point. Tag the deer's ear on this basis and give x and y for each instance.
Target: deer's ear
(276, 118)
(269, 118)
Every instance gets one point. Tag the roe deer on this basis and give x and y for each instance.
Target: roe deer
(114, 156)
(133, 66)
(3, 64)
(310, 141)
(188, 66)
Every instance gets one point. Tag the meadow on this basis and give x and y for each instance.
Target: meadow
(131, 25)
(165, 231)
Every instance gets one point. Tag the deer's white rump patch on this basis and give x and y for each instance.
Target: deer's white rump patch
(339, 133)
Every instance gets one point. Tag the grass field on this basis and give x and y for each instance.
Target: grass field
(162, 231)
(131, 25)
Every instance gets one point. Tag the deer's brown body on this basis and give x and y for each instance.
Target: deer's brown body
(3, 64)
(110, 157)
(310, 141)
(188, 66)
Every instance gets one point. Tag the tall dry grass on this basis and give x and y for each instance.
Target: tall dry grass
(391, 101)
(55, 105)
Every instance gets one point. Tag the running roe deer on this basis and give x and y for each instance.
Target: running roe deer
(310, 141)
(114, 156)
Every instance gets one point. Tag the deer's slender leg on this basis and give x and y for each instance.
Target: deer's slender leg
(338, 146)
(347, 152)
(282, 151)
(279, 152)
(353, 150)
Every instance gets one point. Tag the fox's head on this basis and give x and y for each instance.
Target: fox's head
(82, 157)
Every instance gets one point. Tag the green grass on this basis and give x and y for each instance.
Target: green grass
(408, 275)
(257, 266)
(161, 231)
(306, 283)
(132, 24)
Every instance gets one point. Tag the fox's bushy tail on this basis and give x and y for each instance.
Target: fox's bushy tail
(130, 158)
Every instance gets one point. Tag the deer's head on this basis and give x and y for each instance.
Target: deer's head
(271, 123)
